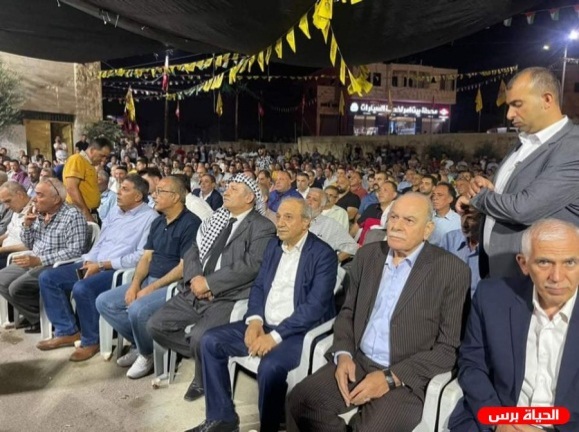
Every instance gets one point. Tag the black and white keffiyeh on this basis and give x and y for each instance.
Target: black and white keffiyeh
(210, 228)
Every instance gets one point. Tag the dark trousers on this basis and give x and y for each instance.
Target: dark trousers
(167, 325)
(220, 343)
(315, 403)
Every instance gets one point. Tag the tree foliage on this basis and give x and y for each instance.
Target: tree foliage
(104, 129)
(11, 98)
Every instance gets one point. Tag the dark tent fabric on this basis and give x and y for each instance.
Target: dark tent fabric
(369, 31)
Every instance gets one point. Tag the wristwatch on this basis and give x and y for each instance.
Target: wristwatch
(101, 266)
(389, 379)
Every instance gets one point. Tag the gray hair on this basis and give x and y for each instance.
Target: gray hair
(103, 174)
(427, 201)
(323, 196)
(542, 79)
(179, 187)
(140, 184)
(56, 186)
(13, 188)
(546, 230)
(306, 211)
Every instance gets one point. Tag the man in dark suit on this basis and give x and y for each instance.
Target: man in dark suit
(218, 270)
(293, 293)
(522, 339)
(399, 327)
(208, 192)
(537, 179)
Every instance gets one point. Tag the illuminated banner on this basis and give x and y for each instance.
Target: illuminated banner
(373, 108)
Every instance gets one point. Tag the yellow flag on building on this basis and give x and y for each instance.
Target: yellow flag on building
(502, 96)
(478, 101)
(219, 105)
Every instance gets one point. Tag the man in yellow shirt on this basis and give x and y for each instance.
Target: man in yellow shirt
(80, 178)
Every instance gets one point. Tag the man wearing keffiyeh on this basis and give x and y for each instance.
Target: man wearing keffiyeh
(219, 269)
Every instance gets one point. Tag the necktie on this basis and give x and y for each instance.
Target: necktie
(218, 247)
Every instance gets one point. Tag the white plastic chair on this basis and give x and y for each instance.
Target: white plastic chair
(431, 400)
(166, 360)
(296, 375)
(120, 277)
(451, 395)
(4, 320)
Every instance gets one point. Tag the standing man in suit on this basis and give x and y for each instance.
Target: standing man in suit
(218, 270)
(537, 179)
(522, 339)
(399, 327)
(293, 293)
(208, 192)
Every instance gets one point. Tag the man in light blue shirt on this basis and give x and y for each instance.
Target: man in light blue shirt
(120, 245)
(108, 197)
(445, 219)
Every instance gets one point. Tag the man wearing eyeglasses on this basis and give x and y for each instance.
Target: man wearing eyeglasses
(53, 231)
(129, 307)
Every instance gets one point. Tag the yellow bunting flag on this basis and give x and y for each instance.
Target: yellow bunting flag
(354, 86)
(291, 39)
(207, 85)
(207, 63)
(268, 54)
(279, 48)
(502, 96)
(218, 61)
(342, 71)
(243, 64)
(218, 81)
(333, 50)
(219, 105)
(325, 32)
(251, 61)
(304, 27)
(130, 106)
(233, 74)
(355, 1)
(342, 103)
(260, 61)
(478, 102)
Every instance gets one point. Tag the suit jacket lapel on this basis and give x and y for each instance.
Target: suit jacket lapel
(420, 270)
(568, 369)
(242, 227)
(301, 274)
(520, 317)
(372, 284)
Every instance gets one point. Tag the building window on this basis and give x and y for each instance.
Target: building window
(394, 81)
(377, 79)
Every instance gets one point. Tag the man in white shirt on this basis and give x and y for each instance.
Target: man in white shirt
(13, 195)
(537, 179)
(302, 183)
(532, 322)
(445, 219)
(292, 293)
(332, 210)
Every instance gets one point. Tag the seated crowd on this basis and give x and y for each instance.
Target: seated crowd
(414, 237)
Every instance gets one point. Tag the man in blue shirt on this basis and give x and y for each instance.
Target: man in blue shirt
(120, 245)
(283, 189)
(445, 219)
(129, 307)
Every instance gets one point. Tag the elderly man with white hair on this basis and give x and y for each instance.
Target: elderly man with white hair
(53, 231)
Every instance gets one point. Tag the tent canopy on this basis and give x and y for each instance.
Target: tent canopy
(369, 31)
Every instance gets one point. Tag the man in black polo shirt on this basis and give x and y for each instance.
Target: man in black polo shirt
(128, 307)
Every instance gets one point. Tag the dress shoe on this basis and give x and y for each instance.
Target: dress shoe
(83, 353)
(194, 392)
(21, 324)
(34, 328)
(58, 342)
(216, 426)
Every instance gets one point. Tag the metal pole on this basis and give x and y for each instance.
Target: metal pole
(563, 74)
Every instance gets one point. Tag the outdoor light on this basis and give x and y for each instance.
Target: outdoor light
(574, 35)
(546, 47)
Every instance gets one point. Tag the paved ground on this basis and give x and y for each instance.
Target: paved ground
(43, 391)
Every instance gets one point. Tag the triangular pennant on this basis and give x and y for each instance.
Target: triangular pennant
(355, 1)
(342, 71)
(291, 39)
(268, 54)
(325, 31)
(219, 105)
(508, 22)
(304, 27)
(354, 86)
(530, 17)
(333, 50)
(554, 14)
(279, 48)
(251, 61)
(218, 61)
(260, 61)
